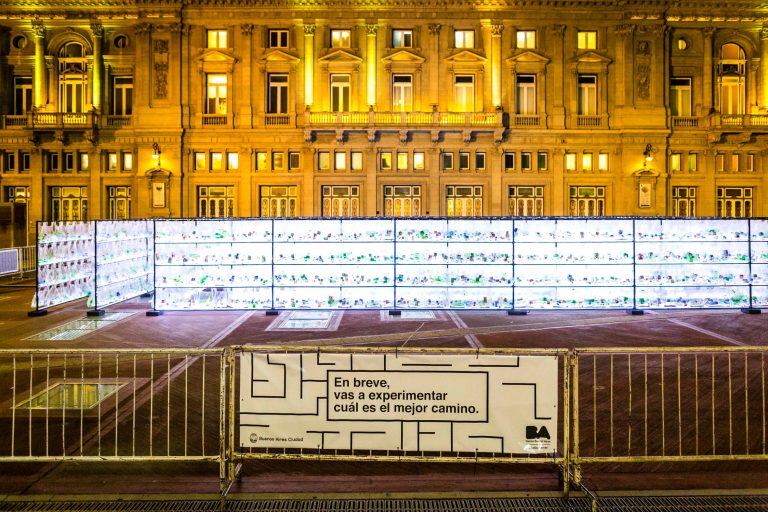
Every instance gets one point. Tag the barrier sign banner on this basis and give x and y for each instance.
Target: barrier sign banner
(500, 404)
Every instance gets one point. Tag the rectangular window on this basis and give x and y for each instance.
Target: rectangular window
(277, 95)
(85, 162)
(447, 161)
(570, 161)
(112, 161)
(526, 161)
(216, 201)
(69, 161)
(587, 201)
(323, 160)
(22, 95)
(464, 93)
(463, 161)
(53, 162)
(587, 95)
(684, 201)
(526, 39)
(750, 163)
(719, 162)
(216, 161)
(602, 162)
(402, 39)
(587, 39)
(402, 161)
(68, 203)
(16, 194)
(402, 200)
(674, 162)
(278, 201)
(526, 94)
(586, 161)
(340, 93)
(278, 38)
(127, 161)
(418, 161)
(25, 160)
(278, 161)
(509, 161)
(340, 200)
(356, 158)
(341, 38)
(464, 38)
(9, 162)
(294, 160)
(122, 96)
(119, 202)
(200, 161)
(464, 200)
(543, 161)
(693, 162)
(340, 161)
(734, 202)
(680, 97)
(261, 160)
(216, 94)
(217, 39)
(233, 161)
(479, 161)
(734, 162)
(525, 201)
(402, 93)
(385, 161)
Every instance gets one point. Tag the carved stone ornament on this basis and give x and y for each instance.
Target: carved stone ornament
(309, 30)
(764, 33)
(246, 29)
(38, 28)
(179, 28)
(643, 81)
(708, 32)
(142, 28)
(434, 28)
(160, 68)
(557, 29)
(97, 29)
(643, 48)
(624, 30)
(371, 29)
(497, 29)
(160, 46)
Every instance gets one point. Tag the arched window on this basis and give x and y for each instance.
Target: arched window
(73, 77)
(731, 79)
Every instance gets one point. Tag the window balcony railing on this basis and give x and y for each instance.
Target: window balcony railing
(590, 121)
(51, 120)
(278, 120)
(15, 121)
(407, 119)
(117, 121)
(685, 122)
(215, 119)
(523, 120)
(741, 120)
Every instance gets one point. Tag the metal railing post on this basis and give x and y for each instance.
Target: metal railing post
(574, 448)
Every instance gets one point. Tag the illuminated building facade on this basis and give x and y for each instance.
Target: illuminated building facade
(216, 108)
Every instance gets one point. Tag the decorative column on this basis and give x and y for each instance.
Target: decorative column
(496, 30)
(558, 59)
(309, 64)
(97, 32)
(40, 99)
(764, 67)
(433, 61)
(246, 77)
(623, 33)
(371, 62)
(707, 71)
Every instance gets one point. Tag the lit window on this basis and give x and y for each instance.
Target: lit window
(340, 161)
(587, 201)
(674, 162)
(402, 200)
(278, 161)
(340, 93)
(340, 200)
(385, 161)
(526, 39)
(323, 160)
(233, 161)
(750, 164)
(735, 202)
(463, 161)
(216, 201)
(464, 93)
(85, 161)
(447, 161)
(464, 38)
(119, 202)
(418, 161)
(356, 158)
(402, 38)
(217, 39)
(735, 162)
(684, 201)
(586, 161)
(525, 161)
(509, 161)
(587, 39)
(340, 38)
(693, 162)
(719, 162)
(294, 160)
(261, 160)
(278, 39)
(479, 161)
(402, 161)
(199, 161)
(216, 161)
(112, 161)
(570, 161)
(602, 162)
(526, 94)
(402, 93)
(122, 95)
(216, 94)
(525, 200)
(680, 97)
(543, 161)
(587, 95)
(682, 44)
(127, 161)
(464, 201)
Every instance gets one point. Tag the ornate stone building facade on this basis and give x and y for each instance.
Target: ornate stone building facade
(166, 108)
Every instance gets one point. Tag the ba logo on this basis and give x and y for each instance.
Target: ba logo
(531, 432)
(254, 437)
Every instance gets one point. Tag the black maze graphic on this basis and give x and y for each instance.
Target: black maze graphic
(388, 402)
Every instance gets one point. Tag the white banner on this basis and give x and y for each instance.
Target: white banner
(499, 404)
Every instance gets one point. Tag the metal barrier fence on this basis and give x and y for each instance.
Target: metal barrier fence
(616, 406)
